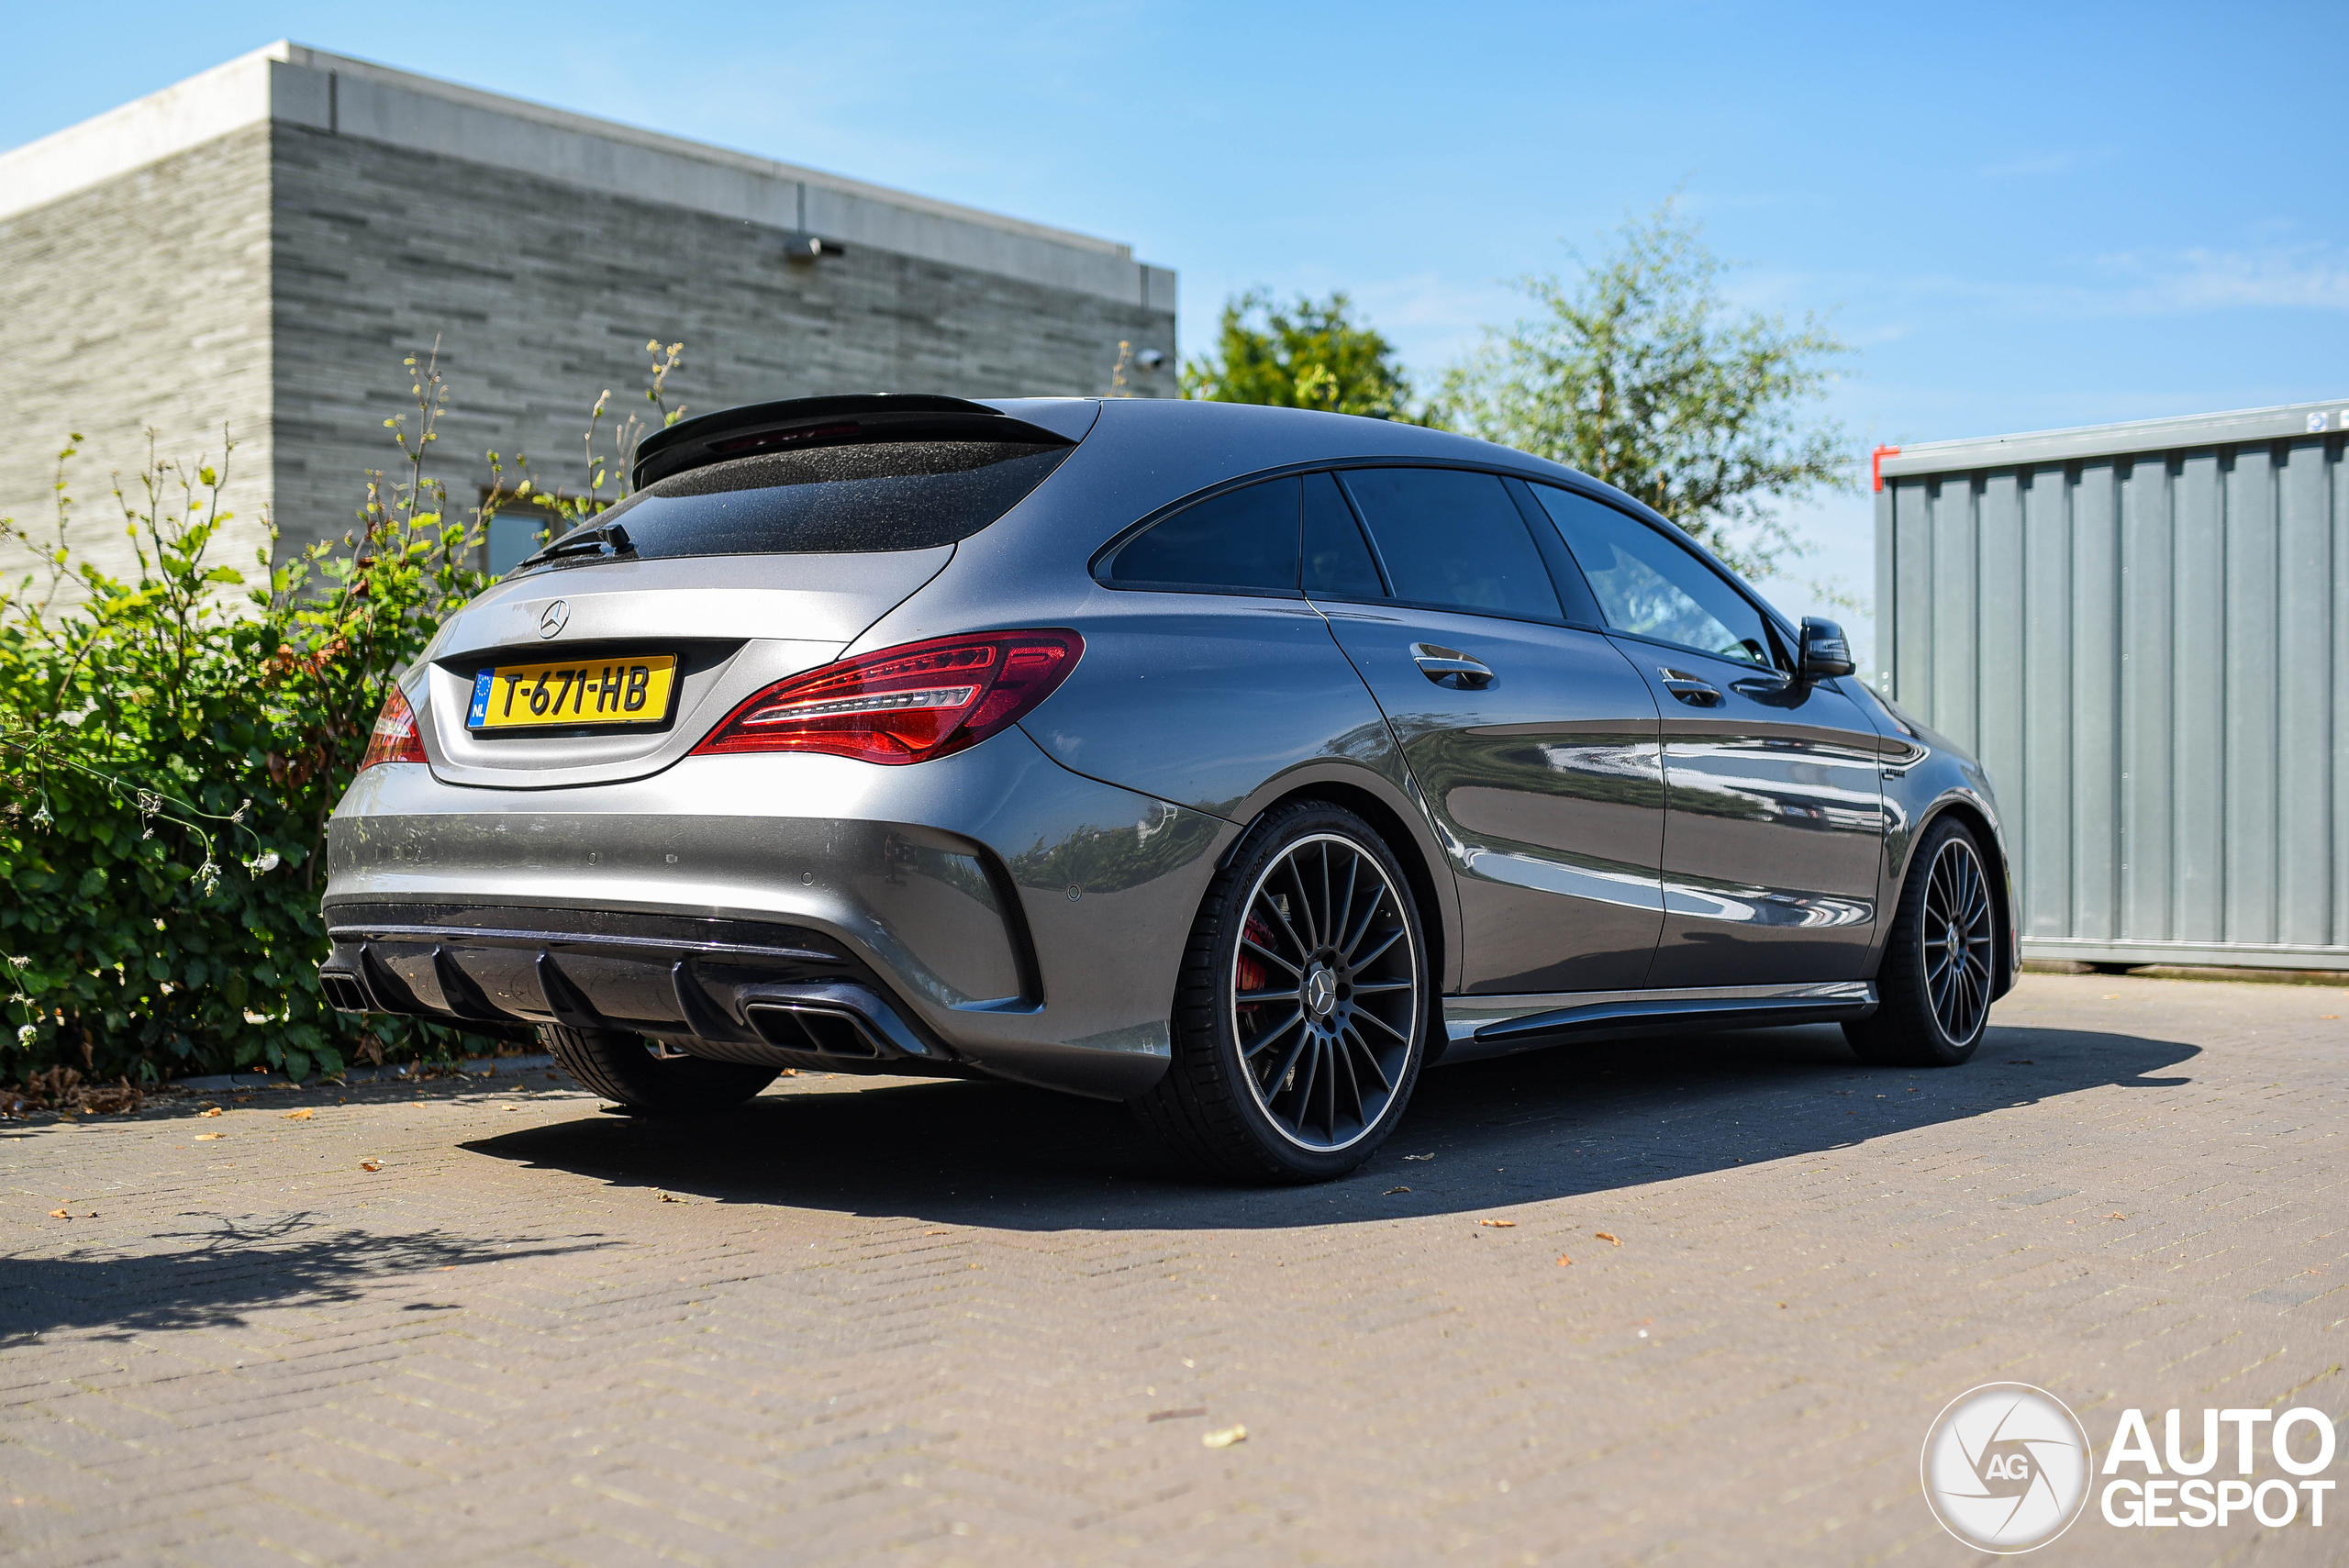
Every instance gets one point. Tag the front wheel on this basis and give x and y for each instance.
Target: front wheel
(1933, 994)
(630, 1069)
(1300, 1019)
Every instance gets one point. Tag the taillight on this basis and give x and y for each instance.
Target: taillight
(394, 740)
(904, 705)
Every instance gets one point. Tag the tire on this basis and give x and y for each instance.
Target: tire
(623, 1067)
(1933, 991)
(1304, 1083)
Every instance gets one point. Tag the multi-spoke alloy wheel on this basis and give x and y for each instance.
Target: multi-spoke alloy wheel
(1325, 991)
(1957, 939)
(1940, 961)
(1300, 1022)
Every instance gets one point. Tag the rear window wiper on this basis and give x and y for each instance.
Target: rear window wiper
(597, 539)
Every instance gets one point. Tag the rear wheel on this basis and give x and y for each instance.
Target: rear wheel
(1300, 1018)
(1934, 993)
(645, 1076)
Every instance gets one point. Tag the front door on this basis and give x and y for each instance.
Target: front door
(1533, 743)
(1773, 829)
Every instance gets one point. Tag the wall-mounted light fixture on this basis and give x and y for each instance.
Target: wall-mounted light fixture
(800, 246)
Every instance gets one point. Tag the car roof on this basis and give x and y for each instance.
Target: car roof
(1140, 456)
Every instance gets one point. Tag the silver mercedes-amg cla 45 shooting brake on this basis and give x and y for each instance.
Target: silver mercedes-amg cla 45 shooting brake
(1234, 763)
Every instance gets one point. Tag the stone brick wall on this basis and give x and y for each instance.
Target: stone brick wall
(542, 294)
(274, 278)
(141, 301)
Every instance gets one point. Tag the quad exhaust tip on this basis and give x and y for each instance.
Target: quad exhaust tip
(825, 1028)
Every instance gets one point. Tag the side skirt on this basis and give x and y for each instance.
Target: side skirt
(1480, 1026)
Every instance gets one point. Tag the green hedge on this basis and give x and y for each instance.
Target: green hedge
(173, 741)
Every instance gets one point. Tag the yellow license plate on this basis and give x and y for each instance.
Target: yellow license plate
(573, 693)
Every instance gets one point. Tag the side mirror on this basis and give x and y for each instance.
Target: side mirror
(1824, 650)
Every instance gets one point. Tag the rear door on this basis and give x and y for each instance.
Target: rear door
(1775, 828)
(1533, 743)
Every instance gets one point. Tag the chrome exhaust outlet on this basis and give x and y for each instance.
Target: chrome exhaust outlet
(831, 1020)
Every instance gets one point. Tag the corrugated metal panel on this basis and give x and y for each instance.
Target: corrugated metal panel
(2138, 629)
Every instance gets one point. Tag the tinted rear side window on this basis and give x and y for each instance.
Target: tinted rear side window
(1337, 558)
(1242, 539)
(849, 499)
(1453, 538)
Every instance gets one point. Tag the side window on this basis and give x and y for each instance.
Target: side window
(1337, 558)
(1453, 538)
(1649, 586)
(1242, 539)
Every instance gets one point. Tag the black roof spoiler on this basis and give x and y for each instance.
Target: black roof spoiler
(816, 421)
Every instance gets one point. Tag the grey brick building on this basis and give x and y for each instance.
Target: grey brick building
(259, 246)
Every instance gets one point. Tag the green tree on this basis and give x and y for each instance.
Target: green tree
(1308, 355)
(1637, 373)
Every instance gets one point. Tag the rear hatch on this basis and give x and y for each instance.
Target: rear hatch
(759, 543)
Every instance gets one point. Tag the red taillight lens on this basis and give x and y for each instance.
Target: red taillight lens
(394, 738)
(904, 705)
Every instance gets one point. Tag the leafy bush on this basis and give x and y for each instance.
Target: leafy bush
(173, 741)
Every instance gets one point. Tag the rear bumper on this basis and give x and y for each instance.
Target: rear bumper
(741, 991)
(988, 912)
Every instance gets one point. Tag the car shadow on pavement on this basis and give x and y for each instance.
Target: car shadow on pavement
(1558, 1123)
(212, 1273)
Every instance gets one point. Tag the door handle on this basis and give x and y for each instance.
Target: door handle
(1450, 667)
(1689, 689)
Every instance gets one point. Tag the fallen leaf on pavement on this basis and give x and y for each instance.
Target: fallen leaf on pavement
(370, 1164)
(2023, 1061)
(1392, 1191)
(1500, 1224)
(509, 1107)
(1176, 1414)
(2328, 1015)
(1563, 1260)
(209, 1110)
(1609, 1236)
(1225, 1438)
(668, 1197)
(938, 1233)
(2116, 1214)
(209, 1137)
(302, 1114)
(59, 1214)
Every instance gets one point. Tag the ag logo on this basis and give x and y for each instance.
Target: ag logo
(2007, 1467)
(552, 619)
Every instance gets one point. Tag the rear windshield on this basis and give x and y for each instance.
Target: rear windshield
(849, 499)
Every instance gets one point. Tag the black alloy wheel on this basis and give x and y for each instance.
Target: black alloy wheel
(1941, 963)
(1325, 991)
(1301, 1020)
(1957, 938)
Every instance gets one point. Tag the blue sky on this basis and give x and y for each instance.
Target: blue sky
(2021, 217)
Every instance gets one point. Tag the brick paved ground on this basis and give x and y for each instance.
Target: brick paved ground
(931, 1323)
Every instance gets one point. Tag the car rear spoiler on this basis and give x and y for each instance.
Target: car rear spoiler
(825, 422)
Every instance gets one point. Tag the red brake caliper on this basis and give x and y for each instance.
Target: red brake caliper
(1251, 968)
